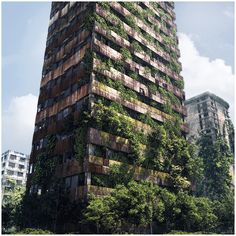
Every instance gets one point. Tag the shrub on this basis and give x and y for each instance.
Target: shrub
(33, 231)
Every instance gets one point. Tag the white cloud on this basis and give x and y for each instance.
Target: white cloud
(18, 123)
(202, 74)
(229, 14)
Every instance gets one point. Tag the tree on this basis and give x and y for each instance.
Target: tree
(217, 159)
(144, 208)
(11, 205)
(101, 212)
(217, 181)
(196, 214)
(224, 210)
(128, 209)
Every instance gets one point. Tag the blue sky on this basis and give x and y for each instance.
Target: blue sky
(206, 34)
(211, 27)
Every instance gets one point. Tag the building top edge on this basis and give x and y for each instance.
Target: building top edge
(212, 95)
(15, 152)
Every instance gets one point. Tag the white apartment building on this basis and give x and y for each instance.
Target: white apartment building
(14, 166)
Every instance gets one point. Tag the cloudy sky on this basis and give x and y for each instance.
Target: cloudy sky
(206, 39)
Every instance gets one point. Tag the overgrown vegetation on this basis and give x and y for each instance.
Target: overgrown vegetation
(198, 196)
(11, 202)
(146, 208)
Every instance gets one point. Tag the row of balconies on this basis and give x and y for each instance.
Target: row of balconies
(125, 43)
(157, 22)
(45, 78)
(63, 21)
(135, 35)
(69, 168)
(136, 123)
(166, 8)
(68, 80)
(136, 86)
(101, 165)
(114, 55)
(62, 36)
(61, 12)
(76, 58)
(70, 100)
(170, 22)
(134, 104)
(65, 17)
(140, 107)
(140, 23)
(81, 192)
(67, 49)
(59, 126)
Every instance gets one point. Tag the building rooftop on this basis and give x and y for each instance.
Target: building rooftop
(18, 153)
(208, 94)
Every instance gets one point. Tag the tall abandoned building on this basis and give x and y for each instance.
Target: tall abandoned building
(208, 114)
(110, 69)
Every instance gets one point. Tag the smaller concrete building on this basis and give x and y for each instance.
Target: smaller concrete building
(14, 166)
(208, 113)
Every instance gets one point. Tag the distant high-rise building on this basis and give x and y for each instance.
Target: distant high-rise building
(14, 166)
(101, 55)
(208, 114)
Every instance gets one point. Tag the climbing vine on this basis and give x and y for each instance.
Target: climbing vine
(44, 170)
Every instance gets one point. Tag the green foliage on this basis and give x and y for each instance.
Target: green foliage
(166, 149)
(136, 207)
(98, 212)
(127, 94)
(148, 37)
(127, 209)
(104, 5)
(88, 59)
(11, 201)
(45, 165)
(153, 88)
(80, 143)
(108, 119)
(224, 210)
(147, 119)
(136, 46)
(125, 54)
(216, 181)
(131, 22)
(119, 29)
(33, 231)
(179, 84)
(230, 129)
(89, 21)
(167, 108)
(101, 21)
(147, 71)
(168, 40)
(100, 180)
(133, 75)
(174, 66)
(173, 99)
(120, 174)
(196, 213)
(217, 159)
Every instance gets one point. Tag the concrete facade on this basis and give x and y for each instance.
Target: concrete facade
(14, 166)
(207, 113)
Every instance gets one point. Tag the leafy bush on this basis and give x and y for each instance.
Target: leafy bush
(33, 231)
